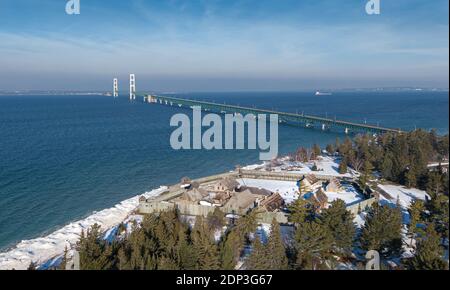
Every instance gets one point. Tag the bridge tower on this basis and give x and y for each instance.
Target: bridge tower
(132, 87)
(115, 88)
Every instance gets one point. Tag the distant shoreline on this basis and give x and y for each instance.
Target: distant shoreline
(106, 93)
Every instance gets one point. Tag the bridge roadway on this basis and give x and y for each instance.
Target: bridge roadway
(284, 117)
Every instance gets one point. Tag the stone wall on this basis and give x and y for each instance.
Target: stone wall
(362, 205)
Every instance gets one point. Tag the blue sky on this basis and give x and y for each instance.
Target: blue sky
(230, 45)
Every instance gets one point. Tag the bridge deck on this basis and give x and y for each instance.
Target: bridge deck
(308, 120)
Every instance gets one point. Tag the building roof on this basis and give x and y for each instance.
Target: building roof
(312, 179)
(333, 184)
(321, 196)
(193, 195)
(272, 202)
(255, 190)
(228, 183)
(241, 200)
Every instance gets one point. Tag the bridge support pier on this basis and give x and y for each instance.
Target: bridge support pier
(115, 88)
(132, 87)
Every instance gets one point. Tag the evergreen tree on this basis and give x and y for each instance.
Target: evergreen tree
(429, 254)
(337, 144)
(330, 149)
(203, 244)
(32, 266)
(434, 184)
(411, 177)
(246, 225)
(415, 212)
(63, 264)
(340, 223)
(301, 210)
(386, 166)
(258, 259)
(231, 249)
(123, 260)
(382, 230)
(438, 207)
(276, 251)
(167, 263)
(271, 256)
(313, 245)
(343, 167)
(316, 150)
(185, 256)
(365, 176)
(216, 219)
(94, 253)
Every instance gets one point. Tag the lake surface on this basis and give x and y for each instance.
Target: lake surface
(64, 157)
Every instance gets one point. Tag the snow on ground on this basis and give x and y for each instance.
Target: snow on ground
(46, 250)
(287, 189)
(254, 166)
(348, 194)
(405, 195)
(360, 219)
(328, 166)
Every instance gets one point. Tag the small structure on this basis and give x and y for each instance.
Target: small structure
(272, 203)
(334, 185)
(318, 199)
(194, 195)
(226, 185)
(322, 199)
(255, 190)
(241, 202)
(311, 182)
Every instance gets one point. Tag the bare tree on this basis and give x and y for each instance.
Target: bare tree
(355, 160)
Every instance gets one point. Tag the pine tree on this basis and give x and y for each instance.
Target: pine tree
(337, 144)
(300, 211)
(167, 263)
(410, 177)
(343, 169)
(386, 166)
(185, 255)
(208, 256)
(382, 230)
(316, 150)
(429, 253)
(313, 245)
(123, 260)
(247, 224)
(216, 219)
(415, 212)
(330, 149)
(276, 251)
(340, 223)
(258, 259)
(231, 249)
(63, 264)
(32, 266)
(94, 253)
(271, 256)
